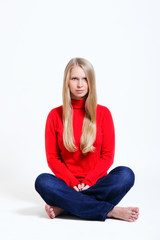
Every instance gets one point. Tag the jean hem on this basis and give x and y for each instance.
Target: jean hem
(104, 216)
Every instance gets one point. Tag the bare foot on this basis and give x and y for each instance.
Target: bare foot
(53, 211)
(129, 214)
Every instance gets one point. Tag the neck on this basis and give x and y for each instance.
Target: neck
(78, 103)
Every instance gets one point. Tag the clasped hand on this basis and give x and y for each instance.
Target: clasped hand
(81, 187)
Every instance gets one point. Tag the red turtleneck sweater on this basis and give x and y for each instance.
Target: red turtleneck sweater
(75, 167)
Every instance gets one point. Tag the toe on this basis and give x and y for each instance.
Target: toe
(130, 220)
(51, 211)
(133, 213)
(137, 210)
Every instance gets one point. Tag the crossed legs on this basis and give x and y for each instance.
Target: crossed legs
(97, 202)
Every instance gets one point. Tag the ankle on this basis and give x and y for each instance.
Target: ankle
(111, 213)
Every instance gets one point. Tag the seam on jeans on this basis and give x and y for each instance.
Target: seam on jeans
(107, 212)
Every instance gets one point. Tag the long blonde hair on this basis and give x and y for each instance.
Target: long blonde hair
(89, 124)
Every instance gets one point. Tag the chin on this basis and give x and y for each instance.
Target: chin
(79, 96)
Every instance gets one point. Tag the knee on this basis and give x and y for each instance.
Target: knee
(128, 176)
(40, 181)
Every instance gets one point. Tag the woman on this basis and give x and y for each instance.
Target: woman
(80, 146)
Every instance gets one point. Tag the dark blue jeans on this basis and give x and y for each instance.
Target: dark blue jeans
(93, 203)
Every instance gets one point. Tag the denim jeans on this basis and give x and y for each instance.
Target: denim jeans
(93, 203)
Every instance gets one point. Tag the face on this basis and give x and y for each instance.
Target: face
(78, 83)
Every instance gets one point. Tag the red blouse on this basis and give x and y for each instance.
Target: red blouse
(75, 167)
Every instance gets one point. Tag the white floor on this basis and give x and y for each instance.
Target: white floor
(122, 42)
(23, 217)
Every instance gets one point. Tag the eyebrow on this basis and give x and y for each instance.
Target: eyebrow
(78, 77)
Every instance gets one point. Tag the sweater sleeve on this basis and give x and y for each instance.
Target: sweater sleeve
(54, 159)
(107, 151)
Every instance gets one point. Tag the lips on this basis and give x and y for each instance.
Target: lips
(79, 91)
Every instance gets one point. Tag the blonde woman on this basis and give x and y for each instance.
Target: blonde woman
(80, 147)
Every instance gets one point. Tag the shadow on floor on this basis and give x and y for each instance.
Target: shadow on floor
(37, 211)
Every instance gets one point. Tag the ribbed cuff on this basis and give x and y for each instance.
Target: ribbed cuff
(85, 181)
(74, 183)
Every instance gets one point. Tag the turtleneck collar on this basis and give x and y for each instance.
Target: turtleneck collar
(78, 103)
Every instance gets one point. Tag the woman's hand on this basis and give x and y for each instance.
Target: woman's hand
(84, 186)
(81, 187)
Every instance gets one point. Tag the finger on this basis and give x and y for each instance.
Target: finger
(75, 188)
(86, 187)
(79, 186)
(83, 185)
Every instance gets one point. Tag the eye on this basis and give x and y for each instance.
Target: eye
(74, 78)
(85, 79)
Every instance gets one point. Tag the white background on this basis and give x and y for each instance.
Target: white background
(122, 41)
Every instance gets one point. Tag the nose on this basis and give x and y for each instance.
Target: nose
(79, 83)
